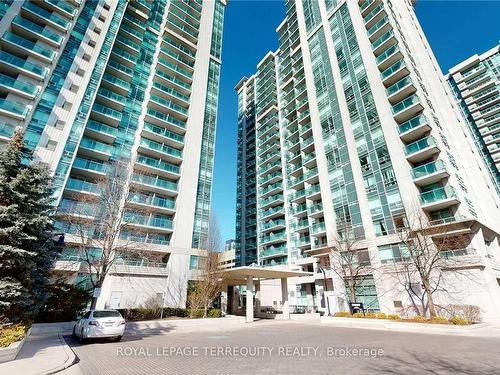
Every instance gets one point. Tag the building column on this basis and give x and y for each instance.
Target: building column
(249, 309)
(257, 297)
(284, 298)
(223, 300)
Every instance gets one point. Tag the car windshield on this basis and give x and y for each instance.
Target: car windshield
(106, 314)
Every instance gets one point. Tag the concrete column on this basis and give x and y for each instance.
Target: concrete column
(223, 300)
(284, 298)
(249, 309)
(257, 297)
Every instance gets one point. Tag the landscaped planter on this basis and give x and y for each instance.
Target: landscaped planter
(10, 353)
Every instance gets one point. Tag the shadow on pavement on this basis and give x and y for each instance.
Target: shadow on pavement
(428, 364)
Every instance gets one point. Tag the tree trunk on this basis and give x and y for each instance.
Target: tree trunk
(93, 304)
(205, 312)
(430, 299)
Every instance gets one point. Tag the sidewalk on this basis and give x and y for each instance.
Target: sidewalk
(43, 353)
(476, 330)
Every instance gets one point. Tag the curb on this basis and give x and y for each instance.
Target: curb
(70, 360)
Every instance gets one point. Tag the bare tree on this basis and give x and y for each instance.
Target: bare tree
(97, 221)
(211, 275)
(349, 261)
(425, 259)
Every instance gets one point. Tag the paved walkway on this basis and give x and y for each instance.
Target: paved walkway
(45, 353)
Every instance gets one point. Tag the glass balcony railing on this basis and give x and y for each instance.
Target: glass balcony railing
(303, 241)
(178, 46)
(274, 237)
(151, 200)
(35, 28)
(313, 189)
(301, 224)
(398, 86)
(320, 227)
(384, 38)
(366, 4)
(124, 54)
(159, 164)
(101, 128)
(272, 187)
(26, 87)
(108, 112)
(419, 145)
(271, 199)
(166, 118)
(116, 81)
(15, 108)
(373, 13)
(161, 148)
(177, 57)
(388, 52)
(88, 164)
(273, 211)
(23, 64)
(81, 185)
(154, 181)
(46, 15)
(28, 44)
(126, 41)
(175, 68)
(412, 123)
(64, 6)
(427, 169)
(126, 28)
(438, 194)
(122, 68)
(163, 132)
(372, 30)
(156, 221)
(170, 91)
(404, 104)
(78, 208)
(94, 145)
(317, 207)
(273, 224)
(282, 250)
(392, 69)
(168, 104)
(111, 95)
(173, 79)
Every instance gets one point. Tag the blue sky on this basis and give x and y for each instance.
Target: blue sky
(455, 30)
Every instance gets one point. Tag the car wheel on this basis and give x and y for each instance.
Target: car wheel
(118, 338)
(81, 339)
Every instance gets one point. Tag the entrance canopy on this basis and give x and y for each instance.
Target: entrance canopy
(240, 275)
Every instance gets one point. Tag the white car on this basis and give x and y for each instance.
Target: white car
(99, 324)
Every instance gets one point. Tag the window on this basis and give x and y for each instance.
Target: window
(92, 43)
(59, 124)
(86, 57)
(51, 145)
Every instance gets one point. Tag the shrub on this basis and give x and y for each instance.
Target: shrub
(381, 316)
(458, 321)
(470, 313)
(439, 320)
(393, 317)
(358, 315)
(152, 313)
(370, 315)
(11, 334)
(419, 319)
(342, 314)
(215, 313)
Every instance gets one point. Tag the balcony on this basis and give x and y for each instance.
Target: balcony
(161, 119)
(159, 166)
(272, 213)
(414, 128)
(62, 7)
(101, 131)
(383, 42)
(271, 189)
(300, 226)
(378, 29)
(388, 57)
(116, 101)
(34, 11)
(374, 15)
(116, 83)
(407, 109)
(89, 167)
(273, 200)
(318, 229)
(82, 186)
(439, 199)
(394, 73)
(273, 225)
(105, 114)
(163, 135)
(160, 150)
(422, 149)
(151, 201)
(24, 27)
(367, 5)
(157, 222)
(273, 252)
(15, 110)
(91, 147)
(16, 65)
(27, 47)
(139, 267)
(429, 173)
(315, 210)
(155, 183)
(313, 192)
(273, 238)
(400, 90)
(303, 242)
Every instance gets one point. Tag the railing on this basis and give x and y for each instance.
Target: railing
(89, 164)
(392, 69)
(398, 86)
(438, 194)
(151, 200)
(156, 163)
(102, 128)
(457, 253)
(16, 108)
(154, 181)
(163, 132)
(420, 145)
(28, 44)
(31, 26)
(161, 147)
(404, 104)
(428, 168)
(412, 123)
(81, 185)
(23, 64)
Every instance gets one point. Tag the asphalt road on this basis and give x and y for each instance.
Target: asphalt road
(277, 347)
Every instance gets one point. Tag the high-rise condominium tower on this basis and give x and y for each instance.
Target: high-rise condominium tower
(95, 82)
(476, 85)
(348, 130)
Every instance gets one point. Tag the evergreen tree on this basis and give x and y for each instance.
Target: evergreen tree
(26, 239)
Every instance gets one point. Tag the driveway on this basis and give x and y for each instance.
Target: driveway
(281, 347)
